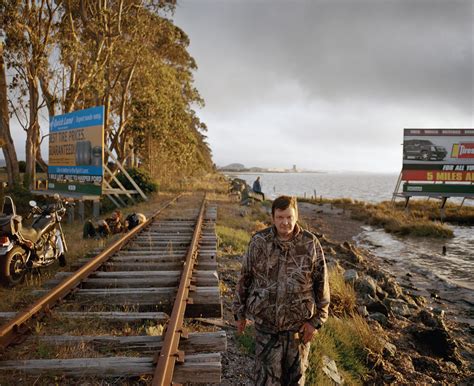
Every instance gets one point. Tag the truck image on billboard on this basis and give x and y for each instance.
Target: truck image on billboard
(76, 152)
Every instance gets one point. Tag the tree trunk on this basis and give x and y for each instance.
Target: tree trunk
(8, 146)
(32, 136)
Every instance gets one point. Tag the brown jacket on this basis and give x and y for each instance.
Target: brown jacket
(283, 284)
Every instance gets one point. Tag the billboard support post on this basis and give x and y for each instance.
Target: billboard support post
(127, 175)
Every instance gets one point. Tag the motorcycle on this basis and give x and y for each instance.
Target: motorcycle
(22, 247)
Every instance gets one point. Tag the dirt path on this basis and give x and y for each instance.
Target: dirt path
(333, 222)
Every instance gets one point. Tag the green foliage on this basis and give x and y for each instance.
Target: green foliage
(246, 340)
(142, 179)
(44, 351)
(232, 240)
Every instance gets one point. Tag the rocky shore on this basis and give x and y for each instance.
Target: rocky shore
(419, 343)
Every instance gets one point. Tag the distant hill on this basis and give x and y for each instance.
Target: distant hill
(234, 167)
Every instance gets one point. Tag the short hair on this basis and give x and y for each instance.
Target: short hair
(284, 202)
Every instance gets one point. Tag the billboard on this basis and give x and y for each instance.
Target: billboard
(438, 155)
(76, 151)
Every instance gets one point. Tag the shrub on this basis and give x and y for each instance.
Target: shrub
(142, 179)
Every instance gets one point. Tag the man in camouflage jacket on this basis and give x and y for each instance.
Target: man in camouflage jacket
(284, 288)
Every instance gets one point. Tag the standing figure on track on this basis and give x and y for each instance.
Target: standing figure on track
(284, 288)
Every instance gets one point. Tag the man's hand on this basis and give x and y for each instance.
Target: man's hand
(241, 326)
(308, 332)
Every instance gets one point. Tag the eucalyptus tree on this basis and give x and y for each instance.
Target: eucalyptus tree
(29, 26)
(8, 147)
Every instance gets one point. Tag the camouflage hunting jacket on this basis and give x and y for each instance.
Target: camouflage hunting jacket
(283, 284)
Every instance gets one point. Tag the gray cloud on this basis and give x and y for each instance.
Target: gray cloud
(319, 75)
(328, 84)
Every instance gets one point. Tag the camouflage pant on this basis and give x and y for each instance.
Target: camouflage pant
(281, 359)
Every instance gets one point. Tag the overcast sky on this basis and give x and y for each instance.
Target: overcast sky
(328, 84)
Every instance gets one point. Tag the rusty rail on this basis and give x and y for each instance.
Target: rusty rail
(12, 330)
(169, 353)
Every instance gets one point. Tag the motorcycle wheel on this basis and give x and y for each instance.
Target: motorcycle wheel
(13, 267)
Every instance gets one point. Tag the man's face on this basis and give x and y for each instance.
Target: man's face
(285, 221)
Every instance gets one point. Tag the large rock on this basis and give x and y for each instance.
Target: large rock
(366, 285)
(398, 307)
(330, 369)
(377, 306)
(379, 317)
(436, 341)
(392, 287)
(428, 319)
(389, 349)
(362, 310)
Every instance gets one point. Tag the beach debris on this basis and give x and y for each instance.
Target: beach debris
(330, 369)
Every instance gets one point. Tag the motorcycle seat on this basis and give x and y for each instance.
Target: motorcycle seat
(30, 234)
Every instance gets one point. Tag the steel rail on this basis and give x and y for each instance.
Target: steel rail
(169, 352)
(18, 326)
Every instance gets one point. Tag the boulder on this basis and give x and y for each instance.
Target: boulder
(428, 319)
(398, 307)
(439, 312)
(392, 287)
(330, 369)
(366, 285)
(381, 294)
(350, 276)
(379, 317)
(362, 310)
(419, 300)
(354, 254)
(389, 349)
(377, 274)
(436, 341)
(377, 306)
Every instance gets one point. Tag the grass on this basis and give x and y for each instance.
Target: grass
(343, 295)
(246, 340)
(347, 341)
(233, 241)
(422, 219)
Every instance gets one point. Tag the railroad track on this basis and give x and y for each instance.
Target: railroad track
(155, 276)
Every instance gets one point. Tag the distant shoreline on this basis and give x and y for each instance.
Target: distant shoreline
(270, 171)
